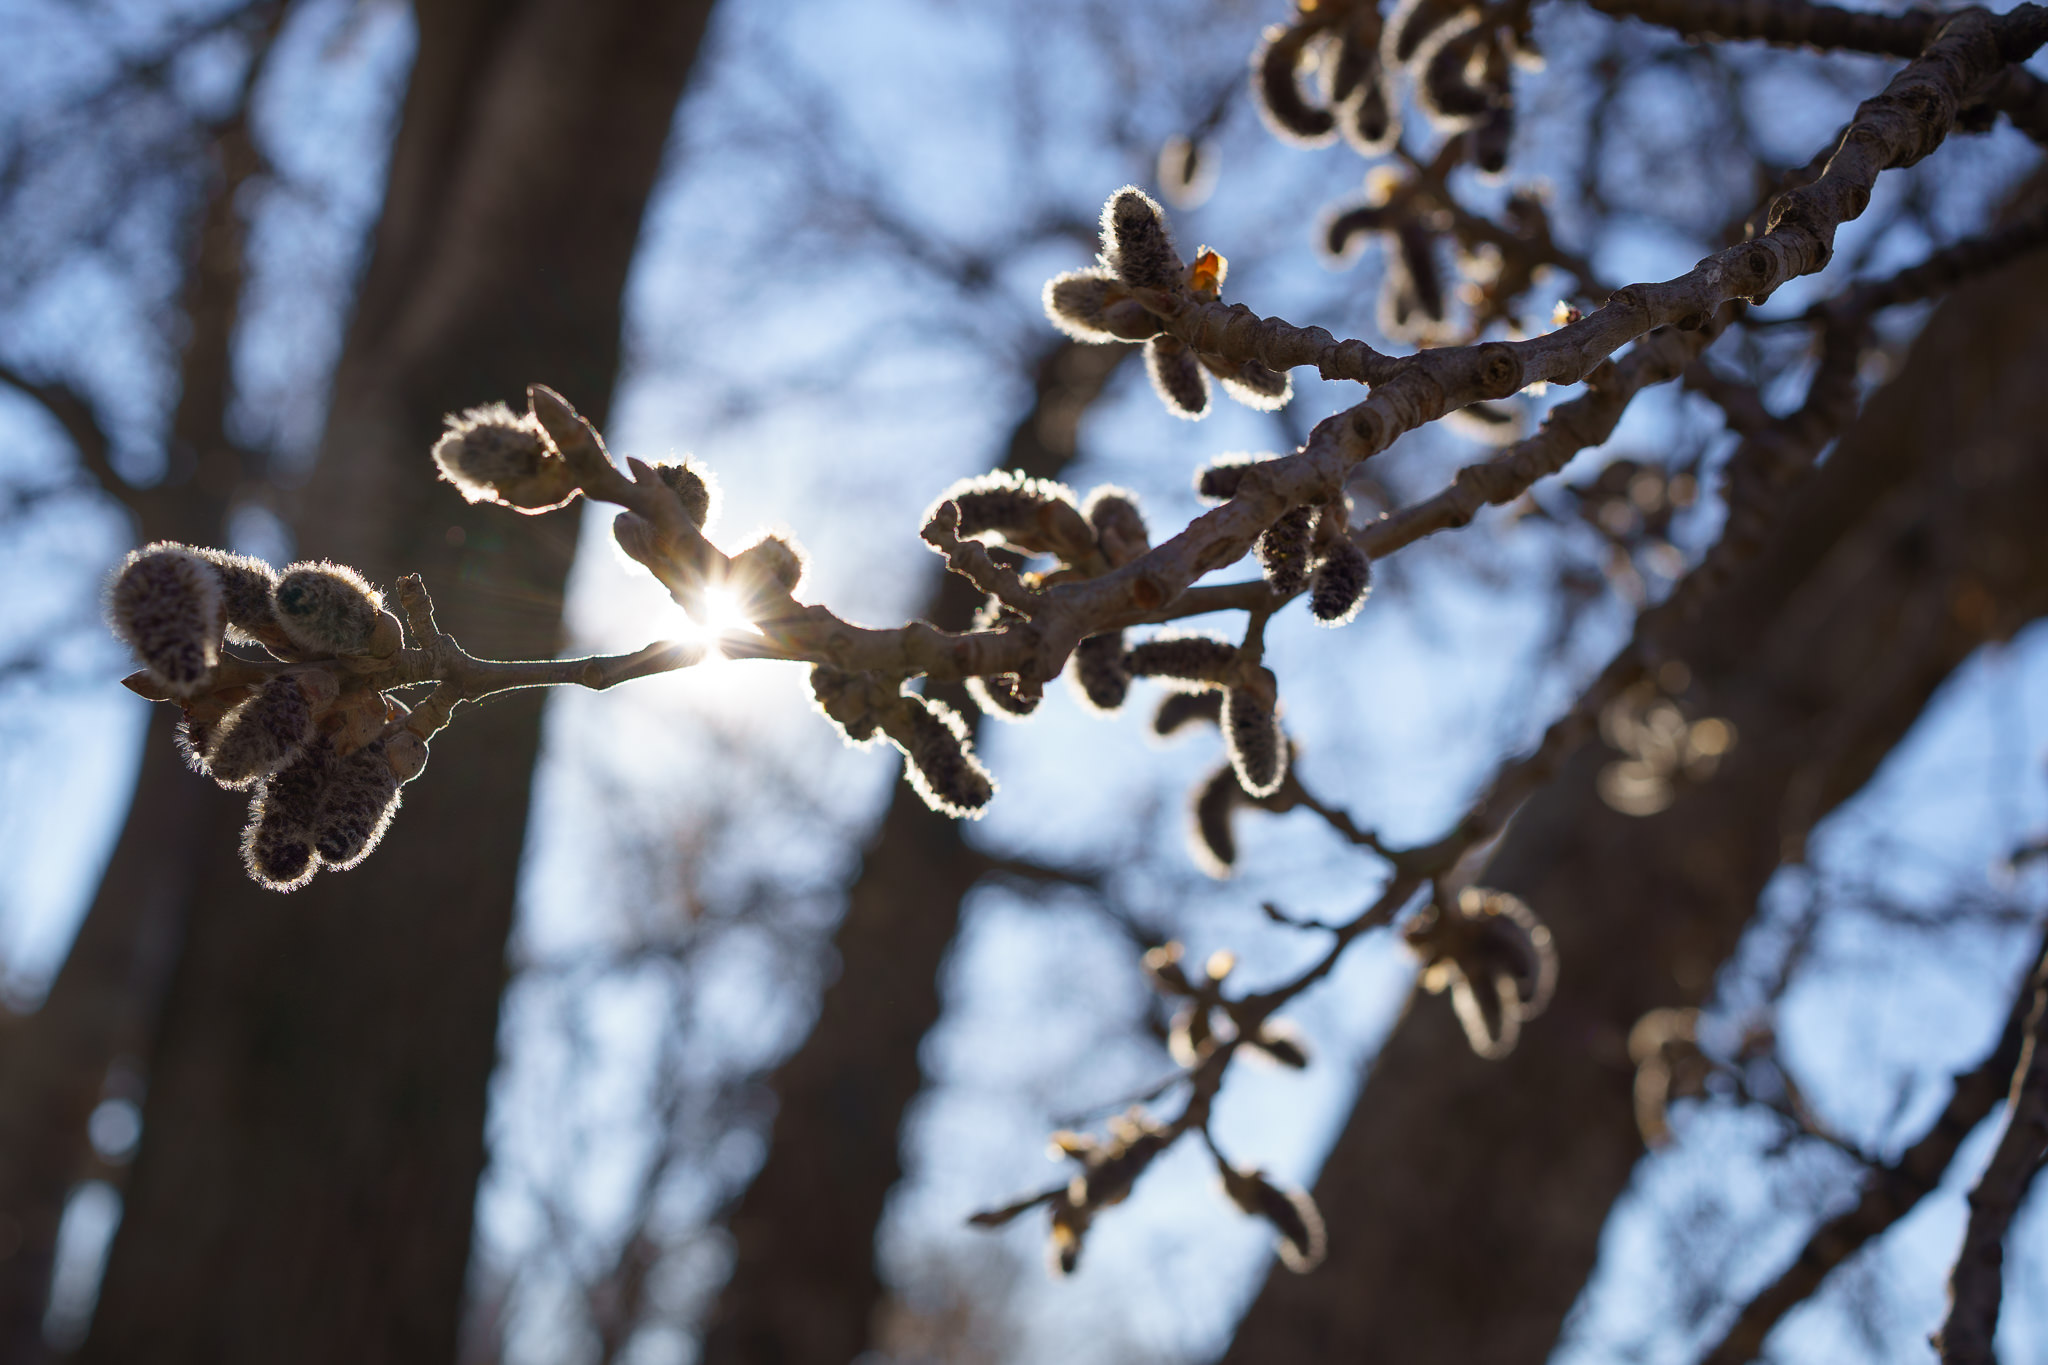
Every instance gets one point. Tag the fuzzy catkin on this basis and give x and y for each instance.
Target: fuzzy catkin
(1099, 672)
(1283, 549)
(1252, 738)
(1342, 582)
(267, 731)
(1095, 306)
(1030, 513)
(1250, 383)
(277, 845)
(1216, 800)
(1136, 243)
(943, 768)
(246, 584)
(1180, 709)
(493, 454)
(356, 808)
(694, 486)
(1219, 479)
(1119, 526)
(1178, 377)
(1276, 81)
(166, 605)
(771, 559)
(1185, 658)
(327, 608)
(1004, 696)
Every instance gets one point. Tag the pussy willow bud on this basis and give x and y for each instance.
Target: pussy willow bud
(1094, 306)
(1418, 266)
(1179, 709)
(1494, 955)
(165, 604)
(1099, 672)
(245, 587)
(1415, 22)
(1283, 549)
(1004, 696)
(327, 608)
(356, 808)
(1216, 800)
(267, 731)
(1186, 172)
(1252, 738)
(1353, 57)
(1186, 658)
(1219, 479)
(1291, 1212)
(1178, 377)
(1250, 383)
(1135, 242)
(695, 486)
(277, 845)
(1342, 582)
(771, 559)
(1033, 514)
(943, 768)
(1276, 82)
(1370, 120)
(1449, 91)
(493, 454)
(1493, 137)
(1118, 524)
(849, 701)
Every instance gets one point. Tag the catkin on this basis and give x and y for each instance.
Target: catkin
(1252, 738)
(268, 730)
(356, 808)
(695, 486)
(1213, 843)
(166, 605)
(1341, 583)
(246, 584)
(1283, 550)
(1179, 709)
(1276, 82)
(1178, 377)
(493, 454)
(1136, 244)
(1094, 306)
(1099, 672)
(942, 766)
(277, 844)
(1185, 658)
(327, 608)
(1250, 383)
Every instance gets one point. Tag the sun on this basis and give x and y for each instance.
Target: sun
(721, 611)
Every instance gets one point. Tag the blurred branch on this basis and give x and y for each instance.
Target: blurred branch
(75, 413)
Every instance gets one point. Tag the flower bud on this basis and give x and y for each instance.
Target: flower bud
(773, 560)
(1184, 658)
(695, 485)
(1342, 582)
(1118, 524)
(267, 731)
(166, 605)
(1178, 377)
(277, 845)
(1213, 844)
(1276, 82)
(1495, 957)
(327, 608)
(493, 454)
(1135, 242)
(356, 807)
(1035, 515)
(1179, 709)
(1251, 735)
(1449, 90)
(1250, 383)
(1371, 120)
(1283, 549)
(246, 584)
(942, 766)
(1219, 479)
(1094, 306)
(851, 701)
(406, 753)
(1099, 672)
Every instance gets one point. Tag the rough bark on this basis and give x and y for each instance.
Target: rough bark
(314, 1127)
(805, 1289)
(1466, 1199)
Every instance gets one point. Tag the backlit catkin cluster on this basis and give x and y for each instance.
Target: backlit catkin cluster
(318, 750)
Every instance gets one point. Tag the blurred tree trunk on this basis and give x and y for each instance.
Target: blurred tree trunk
(1465, 1198)
(804, 1287)
(314, 1126)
